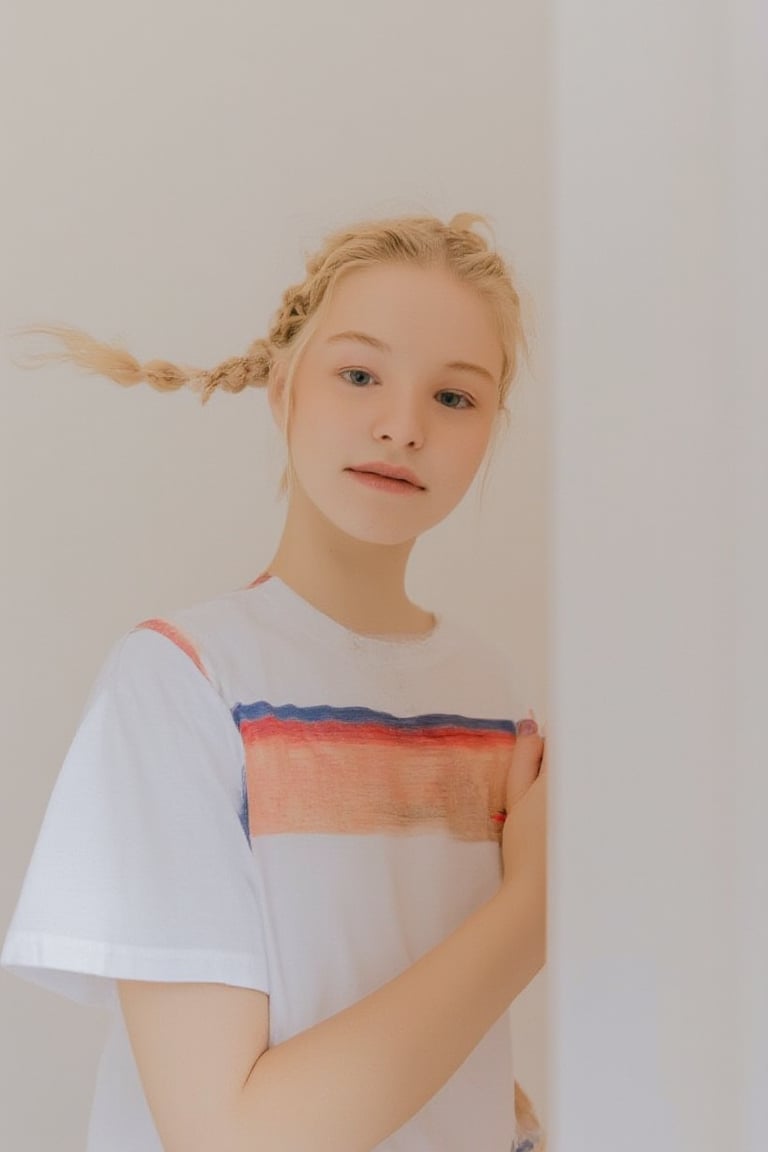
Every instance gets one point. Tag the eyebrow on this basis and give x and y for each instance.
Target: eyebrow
(374, 342)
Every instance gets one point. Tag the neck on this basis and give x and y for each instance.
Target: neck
(360, 585)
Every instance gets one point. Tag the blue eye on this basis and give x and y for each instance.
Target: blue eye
(460, 396)
(358, 371)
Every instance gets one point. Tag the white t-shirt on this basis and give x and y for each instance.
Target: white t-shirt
(258, 796)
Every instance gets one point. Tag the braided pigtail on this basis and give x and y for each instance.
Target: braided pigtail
(233, 375)
(102, 359)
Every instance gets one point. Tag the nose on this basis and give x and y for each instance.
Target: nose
(400, 419)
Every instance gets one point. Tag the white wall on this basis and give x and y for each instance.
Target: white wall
(659, 952)
(165, 169)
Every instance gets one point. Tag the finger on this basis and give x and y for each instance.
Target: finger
(524, 765)
(530, 742)
(530, 725)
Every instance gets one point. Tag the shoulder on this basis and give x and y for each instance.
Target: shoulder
(214, 639)
(157, 694)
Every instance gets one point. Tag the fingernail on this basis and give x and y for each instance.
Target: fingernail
(526, 727)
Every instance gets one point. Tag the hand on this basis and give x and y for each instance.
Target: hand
(524, 839)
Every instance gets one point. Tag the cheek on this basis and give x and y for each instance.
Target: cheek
(469, 450)
(317, 409)
(318, 435)
(462, 465)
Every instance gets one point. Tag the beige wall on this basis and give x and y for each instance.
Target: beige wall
(166, 167)
(659, 671)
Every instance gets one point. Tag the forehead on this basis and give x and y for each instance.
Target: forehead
(409, 307)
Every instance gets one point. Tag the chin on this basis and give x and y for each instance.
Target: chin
(379, 533)
(388, 531)
(390, 528)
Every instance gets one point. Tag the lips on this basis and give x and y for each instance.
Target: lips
(379, 468)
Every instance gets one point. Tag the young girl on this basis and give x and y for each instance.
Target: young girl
(298, 843)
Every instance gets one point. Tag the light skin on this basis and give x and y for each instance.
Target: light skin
(350, 1080)
(345, 545)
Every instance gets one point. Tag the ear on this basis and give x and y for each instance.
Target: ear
(276, 393)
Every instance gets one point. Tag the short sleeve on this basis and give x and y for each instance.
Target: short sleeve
(142, 868)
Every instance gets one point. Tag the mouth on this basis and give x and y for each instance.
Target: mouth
(385, 483)
(387, 471)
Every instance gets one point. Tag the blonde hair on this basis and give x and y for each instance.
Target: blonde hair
(424, 241)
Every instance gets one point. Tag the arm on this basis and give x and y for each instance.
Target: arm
(348, 1082)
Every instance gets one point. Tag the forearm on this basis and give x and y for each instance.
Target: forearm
(348, 1082)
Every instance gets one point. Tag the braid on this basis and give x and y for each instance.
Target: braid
(104, 359)
(235, 374)
(290, 316)
(117, 364)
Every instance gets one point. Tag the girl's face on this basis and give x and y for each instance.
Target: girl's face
(416, 387)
